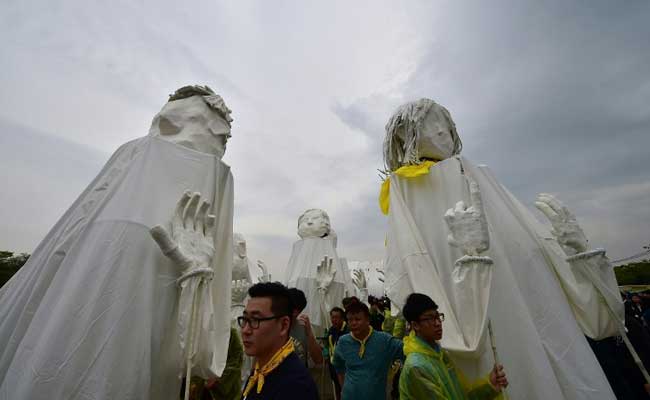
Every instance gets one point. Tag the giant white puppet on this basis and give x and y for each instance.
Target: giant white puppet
(539, 341)
(314, 267)
(94, 314)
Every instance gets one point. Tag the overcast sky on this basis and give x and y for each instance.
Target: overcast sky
(554, 96)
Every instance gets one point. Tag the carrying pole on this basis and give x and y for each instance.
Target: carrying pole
(493, 344)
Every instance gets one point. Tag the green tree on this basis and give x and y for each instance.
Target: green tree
(10, 263)
(636, 273)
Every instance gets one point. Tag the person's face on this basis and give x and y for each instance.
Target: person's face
(435, 140)
(429, 326)
(636, 299)
(358, 323)
(269, 335)
(336, 319)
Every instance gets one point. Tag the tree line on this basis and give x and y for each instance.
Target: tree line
(636, 273)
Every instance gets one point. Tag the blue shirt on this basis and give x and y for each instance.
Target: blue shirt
(365, 378)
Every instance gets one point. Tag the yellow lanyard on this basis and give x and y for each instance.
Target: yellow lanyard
(332, 344)
(260, 373)
(362, 347)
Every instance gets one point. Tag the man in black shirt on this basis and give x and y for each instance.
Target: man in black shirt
(265, 326)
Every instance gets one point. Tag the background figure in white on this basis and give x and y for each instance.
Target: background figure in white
(93, 314)
(373, 275)
(539, 341)
(323, 285)
(350, 289)
(244, 275)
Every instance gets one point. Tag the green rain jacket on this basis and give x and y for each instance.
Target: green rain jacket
(430, 374)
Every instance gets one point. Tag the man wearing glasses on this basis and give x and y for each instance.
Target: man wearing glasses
(265, 326)
(428, 372)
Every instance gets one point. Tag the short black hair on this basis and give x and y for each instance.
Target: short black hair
(347, 300)
(338, 310)
(356, 307)
(298, 299)
(416, 305)
(279, 294)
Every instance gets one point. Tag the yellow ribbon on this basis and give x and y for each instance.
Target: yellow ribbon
(407, 171)
(332, 344)
(261, 373)
(362, 347)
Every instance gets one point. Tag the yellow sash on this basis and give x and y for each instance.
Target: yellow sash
(362, 348)
(261, 373)
(407, 171)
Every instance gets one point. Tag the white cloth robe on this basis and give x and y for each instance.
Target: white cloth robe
(301, 272)
(92, 314)
(539, 341)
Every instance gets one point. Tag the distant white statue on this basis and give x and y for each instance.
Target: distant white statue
(537, 335)
(243, 275)
(315, 268)
(95, 311)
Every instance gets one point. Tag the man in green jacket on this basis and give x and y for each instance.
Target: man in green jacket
(428, 371)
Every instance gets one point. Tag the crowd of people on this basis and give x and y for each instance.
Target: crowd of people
(369, 353)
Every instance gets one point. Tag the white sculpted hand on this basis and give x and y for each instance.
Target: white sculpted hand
(382, 275)
(191, 243)
(239, 291)
(565, 226)
(359, 279)
(468, 225)
(265, 277)
(325, 273)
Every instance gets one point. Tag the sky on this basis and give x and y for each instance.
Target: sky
(554, 96)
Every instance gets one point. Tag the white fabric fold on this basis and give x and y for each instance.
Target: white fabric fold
(598, 305)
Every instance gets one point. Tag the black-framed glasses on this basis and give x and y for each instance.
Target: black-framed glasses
(440, 317)
(254, 322)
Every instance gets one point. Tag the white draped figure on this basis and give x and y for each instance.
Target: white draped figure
(94, 313)
(314, 267)
(244, 274)
(539, 341)
(368, 278)
(350, 288)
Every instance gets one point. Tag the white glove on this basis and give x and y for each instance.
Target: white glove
(468, 225)
(191, 243)
(565, 226)
(359, 279)
(239, 291)
(325, 273)
(265, 277)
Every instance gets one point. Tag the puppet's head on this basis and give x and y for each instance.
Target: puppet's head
(420, 130)
(313, 223)
(239, 245)
(194, 117)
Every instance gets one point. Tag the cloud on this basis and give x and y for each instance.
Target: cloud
(552, 96)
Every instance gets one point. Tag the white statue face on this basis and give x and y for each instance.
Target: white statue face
(191, 123)
(313, 223)
(239, 244)
(435, 138)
